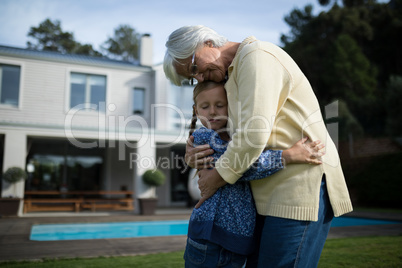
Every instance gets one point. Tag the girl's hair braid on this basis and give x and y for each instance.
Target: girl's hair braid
(193, 122)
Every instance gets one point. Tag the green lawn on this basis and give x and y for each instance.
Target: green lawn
(375, 252)
(379, 251)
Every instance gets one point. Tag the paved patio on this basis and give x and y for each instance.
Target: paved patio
(15, 243)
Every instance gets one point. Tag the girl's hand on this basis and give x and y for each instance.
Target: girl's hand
(303, 152)
(196, 157)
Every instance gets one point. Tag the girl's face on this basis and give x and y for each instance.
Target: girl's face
(211, 107)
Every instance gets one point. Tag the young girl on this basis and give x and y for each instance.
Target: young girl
(221, 230)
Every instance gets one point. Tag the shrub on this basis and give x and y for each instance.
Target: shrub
(154, 177)
(378, 184)
(14, 174)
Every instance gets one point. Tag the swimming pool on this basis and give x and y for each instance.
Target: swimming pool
(80, 231)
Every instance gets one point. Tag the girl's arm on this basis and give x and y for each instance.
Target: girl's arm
(271, 161)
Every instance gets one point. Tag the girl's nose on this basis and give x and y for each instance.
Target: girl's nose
(212, 110)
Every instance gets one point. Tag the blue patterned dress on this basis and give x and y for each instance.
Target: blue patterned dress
(228, 217)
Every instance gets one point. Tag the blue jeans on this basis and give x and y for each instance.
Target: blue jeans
(293, 243)
(206, 254)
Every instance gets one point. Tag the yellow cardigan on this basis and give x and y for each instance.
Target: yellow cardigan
(272, 105)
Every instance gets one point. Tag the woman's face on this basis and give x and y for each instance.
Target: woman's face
(210, 66)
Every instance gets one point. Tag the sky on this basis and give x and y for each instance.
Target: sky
(94, 21)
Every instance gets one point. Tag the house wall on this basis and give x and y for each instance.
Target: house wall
(44, 113)
(45, 93)
(161, 99)
(118, 172)
(163, 193)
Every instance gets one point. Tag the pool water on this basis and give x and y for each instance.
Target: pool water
(352, 221)
(80, 231)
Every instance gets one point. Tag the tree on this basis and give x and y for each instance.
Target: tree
(297, 21)
(86, 50)
(348, 124)
(49, 36)
(124, 45)
(324, 2)
(394, 106)
(348, 53)
(352, 77)
(346, 3)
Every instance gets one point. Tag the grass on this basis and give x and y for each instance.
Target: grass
(168, 260)
(356, 252)
(377, 209)
(378, 251)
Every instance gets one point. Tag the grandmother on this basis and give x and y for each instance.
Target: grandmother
(271, 105)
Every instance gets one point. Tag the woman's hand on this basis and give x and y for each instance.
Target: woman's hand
(304, 152)
(209, 182)
(196, 157)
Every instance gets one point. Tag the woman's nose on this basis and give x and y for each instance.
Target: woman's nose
(199, 77)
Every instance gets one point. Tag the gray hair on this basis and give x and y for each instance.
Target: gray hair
(182, 43)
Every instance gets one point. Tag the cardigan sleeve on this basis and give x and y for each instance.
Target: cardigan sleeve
(260, 80)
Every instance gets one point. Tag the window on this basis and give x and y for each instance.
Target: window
(138, 101)
(10, 84)
(58, 163)
(88, 89)
(182, 98)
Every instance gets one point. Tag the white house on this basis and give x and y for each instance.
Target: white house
(87, 123)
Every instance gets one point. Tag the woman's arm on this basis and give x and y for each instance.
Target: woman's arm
(300, 153)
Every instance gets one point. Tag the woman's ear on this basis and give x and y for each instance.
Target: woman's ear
(209, 43)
